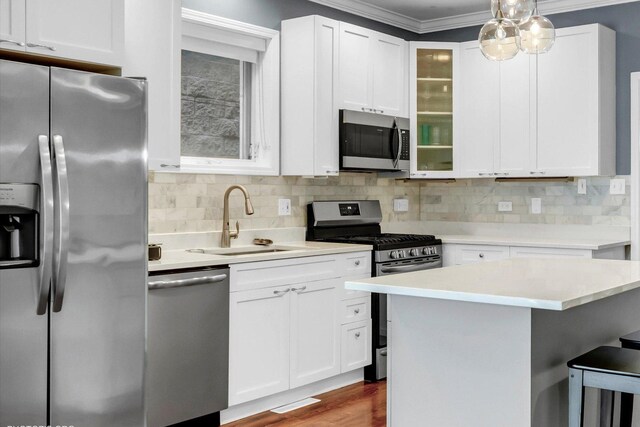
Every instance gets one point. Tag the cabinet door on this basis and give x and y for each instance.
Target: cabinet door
(12, 29)
(355, 73)
(315, 332)
(567, 105)
(356, 345)
(479, 112)
(390, 74)
(258, 343)
(512, 150)
(88, 30)
(152, 49)
(433, 102)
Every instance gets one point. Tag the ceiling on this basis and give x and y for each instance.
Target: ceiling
(424, 16)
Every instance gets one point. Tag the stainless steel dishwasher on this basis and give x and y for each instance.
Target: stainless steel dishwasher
(187, 345)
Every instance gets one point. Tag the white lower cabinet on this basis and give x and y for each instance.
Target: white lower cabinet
(287, 324)
(459, 254)
(356, 345)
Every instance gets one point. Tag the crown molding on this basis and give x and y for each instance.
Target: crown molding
(547, 7)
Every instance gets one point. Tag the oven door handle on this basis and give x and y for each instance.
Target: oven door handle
(411, 267)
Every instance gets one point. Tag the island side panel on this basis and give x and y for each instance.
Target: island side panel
(559, 336)
(456, 364)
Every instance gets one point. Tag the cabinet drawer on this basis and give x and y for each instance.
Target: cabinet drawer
(357, 264)
(265, 274)
(355, 310)
(356, 345)
(531, 252)
(467, 254)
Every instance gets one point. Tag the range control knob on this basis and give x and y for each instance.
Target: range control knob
(432, 250)
(402, 254)
(425, 251)
(393, 255)
(414, 252)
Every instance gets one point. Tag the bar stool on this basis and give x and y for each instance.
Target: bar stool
(632, 341)
(607, 368)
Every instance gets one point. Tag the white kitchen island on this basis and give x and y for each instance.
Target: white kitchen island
(486, 345)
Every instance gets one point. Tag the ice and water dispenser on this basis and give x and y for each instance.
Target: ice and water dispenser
(19, 224)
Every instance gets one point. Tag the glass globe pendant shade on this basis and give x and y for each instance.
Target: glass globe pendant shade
(499, 39)
(515, 10)
(537, 35)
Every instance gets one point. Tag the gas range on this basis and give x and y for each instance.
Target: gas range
(391, 246)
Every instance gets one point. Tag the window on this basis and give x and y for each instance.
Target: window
(229, 96)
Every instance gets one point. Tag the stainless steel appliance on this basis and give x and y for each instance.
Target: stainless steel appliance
(188, 346)
(359, 222)
(373, 142)
(73, 227)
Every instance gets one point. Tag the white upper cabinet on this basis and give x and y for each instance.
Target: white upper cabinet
(87, 31)
(540, 116)
(309, 84)
(372, 72)
(576, 106)
(12, 24)
(434, 105)
(495, 114)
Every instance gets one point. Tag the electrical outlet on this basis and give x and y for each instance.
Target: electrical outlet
(505, 206)
(284, 207)
(616, 186)
(536, 205)
(400, 205)
(582, 186)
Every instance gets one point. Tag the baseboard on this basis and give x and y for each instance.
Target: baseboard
(266, 403)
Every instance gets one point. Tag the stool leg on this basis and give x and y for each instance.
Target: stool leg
(606, 408)
(576, 397)
(626, 409)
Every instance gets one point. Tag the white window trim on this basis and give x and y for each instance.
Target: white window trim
(198, 28)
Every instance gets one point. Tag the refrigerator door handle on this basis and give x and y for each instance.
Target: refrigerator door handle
(61, 240)
(46, 224)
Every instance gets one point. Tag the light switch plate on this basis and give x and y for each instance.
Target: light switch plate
(400, 205)
(536, 205)
(505, 206)
(284, 207)
(582, 186)
(616, 186)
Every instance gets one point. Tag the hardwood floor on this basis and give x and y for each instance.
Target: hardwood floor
(357, 405)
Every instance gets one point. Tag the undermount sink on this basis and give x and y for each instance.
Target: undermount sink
(240, 251)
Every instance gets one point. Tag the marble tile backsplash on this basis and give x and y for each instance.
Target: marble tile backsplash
(180, 202)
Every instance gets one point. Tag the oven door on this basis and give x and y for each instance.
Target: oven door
(378, 368)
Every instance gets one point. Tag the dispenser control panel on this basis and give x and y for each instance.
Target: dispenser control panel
(19, 225)
(19, 195)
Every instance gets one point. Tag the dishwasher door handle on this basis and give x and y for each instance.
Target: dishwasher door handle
(167, 284)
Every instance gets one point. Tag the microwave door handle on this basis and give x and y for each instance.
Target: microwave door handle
(395, 144)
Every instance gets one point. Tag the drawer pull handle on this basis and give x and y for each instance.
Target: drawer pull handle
(357, 262)
(41, 46)
(481, 255)
(17, 43)
(356, 311)
(298, 290)
(280, 293)
(357, 334)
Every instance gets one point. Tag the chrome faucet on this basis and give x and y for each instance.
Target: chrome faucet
(227, 235)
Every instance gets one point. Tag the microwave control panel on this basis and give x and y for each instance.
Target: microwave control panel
(404, 144)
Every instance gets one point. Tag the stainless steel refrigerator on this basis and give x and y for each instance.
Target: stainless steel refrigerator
(73, 209)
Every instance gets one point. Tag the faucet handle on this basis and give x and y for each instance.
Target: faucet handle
(234, 234)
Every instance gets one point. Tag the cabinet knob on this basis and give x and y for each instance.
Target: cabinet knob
(357, 334)
(356, 311)
(357, 262)
(481, 255)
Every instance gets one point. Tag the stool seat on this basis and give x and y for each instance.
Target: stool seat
(609, 360)
(631, 340)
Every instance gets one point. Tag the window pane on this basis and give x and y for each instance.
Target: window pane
(213, 106)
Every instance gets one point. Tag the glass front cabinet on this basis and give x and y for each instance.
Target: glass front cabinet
(434, 94)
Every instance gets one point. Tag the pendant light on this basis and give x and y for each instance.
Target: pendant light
(515, 10)
(500, 37)
(537, 33)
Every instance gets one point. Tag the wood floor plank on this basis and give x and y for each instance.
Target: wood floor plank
(357, 405)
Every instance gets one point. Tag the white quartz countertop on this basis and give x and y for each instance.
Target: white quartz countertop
(181, 258)
(540, 242)
(551, 284)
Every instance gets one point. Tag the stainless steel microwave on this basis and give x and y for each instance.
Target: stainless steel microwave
(373, 142)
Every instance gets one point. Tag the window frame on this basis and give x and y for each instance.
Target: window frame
(201, 31)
